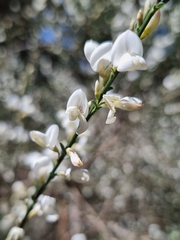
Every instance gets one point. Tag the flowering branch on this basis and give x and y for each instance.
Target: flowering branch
(117, 58)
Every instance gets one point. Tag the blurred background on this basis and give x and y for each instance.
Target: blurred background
(134, 190)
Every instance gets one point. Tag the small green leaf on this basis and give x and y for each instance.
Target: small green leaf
(160, 5)
(94, 103)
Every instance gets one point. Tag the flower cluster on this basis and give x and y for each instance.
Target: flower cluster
(125, 54)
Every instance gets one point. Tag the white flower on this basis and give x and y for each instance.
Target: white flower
(48, 139)
(42, 168)
(126, 53)
(47, 203)
(48, 207)
(77, 175)
(76, 161)
(99, 56)
(15, 233)
(77, 108)
(126, 103)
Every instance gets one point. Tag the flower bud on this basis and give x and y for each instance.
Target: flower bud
(99, 84)
(131, 25)
(75, 160)
(131, 103)
(140, 17)
(147, 6)
(152, 25)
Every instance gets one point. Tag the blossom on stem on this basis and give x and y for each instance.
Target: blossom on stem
(99, 57)
(126, 103)
(77, 175)
(77, 108)
(48, 139)
(126, 53)
(75, 160)
(48, 207)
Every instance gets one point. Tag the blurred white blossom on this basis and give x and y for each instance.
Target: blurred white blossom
(77, 175)
(42, 168)
(15, 233)
(48, 208)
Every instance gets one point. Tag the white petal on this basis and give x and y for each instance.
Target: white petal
(101, 57)
(79, 100)
(110, 118)
(131, 63)
(52, 133)
(139, 62)
(73, 113)
(125, 63)
(131, 103)
(68, 174)
(83, 125)
(89, 47)
(127, 42)
(75, 160)
(112, 101)
(39, 138)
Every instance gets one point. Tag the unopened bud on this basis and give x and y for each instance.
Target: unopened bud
(75, 160)
(140, 17)
(147, 6)
(97, 89)
(131, 26)
(131, 103)
(152, 25)
(99, 84)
